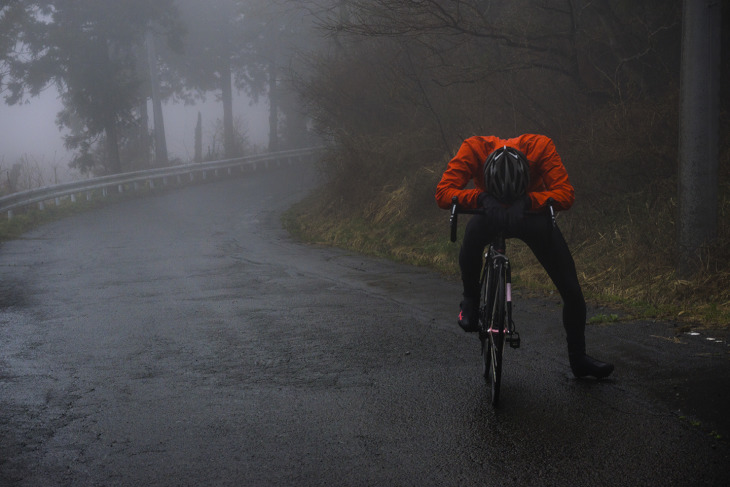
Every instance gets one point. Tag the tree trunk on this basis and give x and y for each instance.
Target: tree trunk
(144, 132)
(273, 109)
(112, 145)
(229, 140)
(160, 141)
(699, 132)
(199, 139)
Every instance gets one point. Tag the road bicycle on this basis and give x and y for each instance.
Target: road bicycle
(496, 326)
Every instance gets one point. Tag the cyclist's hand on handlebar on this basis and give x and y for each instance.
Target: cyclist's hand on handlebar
(516, 211)
(493, 210)
(520, 205)
(488, 202)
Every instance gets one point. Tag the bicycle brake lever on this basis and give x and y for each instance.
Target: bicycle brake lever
(552, 215)
(550, 202)
(453, 220)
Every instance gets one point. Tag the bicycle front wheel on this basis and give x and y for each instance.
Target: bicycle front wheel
(486, 358)
(486, 308)
(496, 336)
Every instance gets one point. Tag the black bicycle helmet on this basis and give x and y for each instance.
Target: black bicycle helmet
(506, 174)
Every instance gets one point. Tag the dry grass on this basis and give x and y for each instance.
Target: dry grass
(622, 161)
(624, 259)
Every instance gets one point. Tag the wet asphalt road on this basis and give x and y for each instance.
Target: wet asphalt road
(184, 339)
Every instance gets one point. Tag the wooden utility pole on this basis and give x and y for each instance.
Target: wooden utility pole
(698, 132)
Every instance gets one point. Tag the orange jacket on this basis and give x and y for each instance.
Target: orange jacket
(548, 177)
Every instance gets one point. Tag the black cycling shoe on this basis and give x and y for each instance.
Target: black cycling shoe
(585, 366)
(468, 316)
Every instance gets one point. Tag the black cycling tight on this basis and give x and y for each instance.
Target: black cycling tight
(551, 250)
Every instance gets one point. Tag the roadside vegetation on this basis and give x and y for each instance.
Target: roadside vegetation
(600, 78)
(26, 219)
(624, 260)
(11, 229)
(623, 247)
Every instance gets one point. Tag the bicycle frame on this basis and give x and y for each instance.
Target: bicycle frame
(496, 326)
(497, 264)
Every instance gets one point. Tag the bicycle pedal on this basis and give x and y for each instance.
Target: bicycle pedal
(514, 340)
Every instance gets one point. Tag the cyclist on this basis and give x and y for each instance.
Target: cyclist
(514, 181)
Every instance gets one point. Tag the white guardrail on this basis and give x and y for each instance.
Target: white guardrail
(135, 180)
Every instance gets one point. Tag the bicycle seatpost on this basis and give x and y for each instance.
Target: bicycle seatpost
(500, 244)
